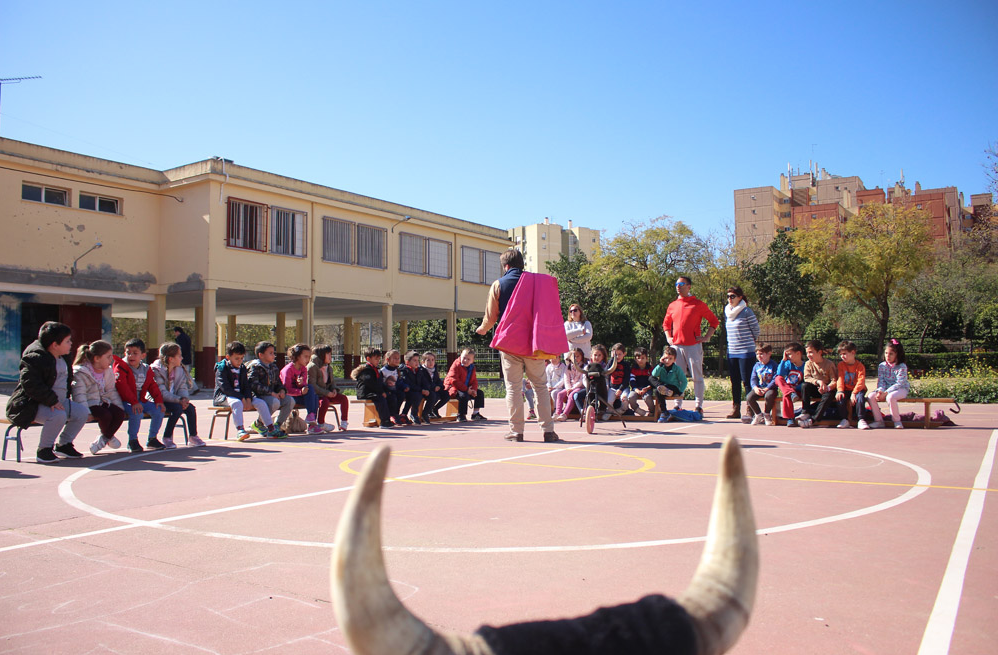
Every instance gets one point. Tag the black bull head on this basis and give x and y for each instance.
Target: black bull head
(705, 619)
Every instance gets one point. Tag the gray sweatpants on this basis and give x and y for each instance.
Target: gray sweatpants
(690, 358)
(69, 421)
(286, 404)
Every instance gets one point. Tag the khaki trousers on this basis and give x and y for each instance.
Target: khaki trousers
(513, 371)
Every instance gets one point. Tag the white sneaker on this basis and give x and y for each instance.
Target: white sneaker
(804, 421)
(746, 419)
(767, 419)
(758, 419)
(844, 423)
(326, 427)
(898, 425)
(114, 442)
(96, 446)
(560, 417)
(606, 416)
(877, 424)
(862, 424)
(343, 426)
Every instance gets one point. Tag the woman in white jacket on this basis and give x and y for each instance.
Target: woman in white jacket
(579, 331)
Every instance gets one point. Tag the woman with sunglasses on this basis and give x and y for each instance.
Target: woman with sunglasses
(742, 328)
(579, 331)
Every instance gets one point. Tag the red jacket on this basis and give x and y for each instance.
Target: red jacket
(124, 382)
(456, 377)
(684, 317)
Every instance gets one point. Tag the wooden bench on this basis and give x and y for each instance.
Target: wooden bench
(226, 411)
(20, 444)
(927, 422)
(372, 420)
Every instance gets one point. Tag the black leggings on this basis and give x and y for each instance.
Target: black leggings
(173, 412)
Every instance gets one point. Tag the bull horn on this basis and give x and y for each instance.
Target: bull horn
(373, 619)
(721, 595)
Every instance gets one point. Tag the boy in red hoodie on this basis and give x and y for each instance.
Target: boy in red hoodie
(139, 393)
(462, 383)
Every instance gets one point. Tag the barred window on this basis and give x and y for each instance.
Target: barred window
(438, 258)
(424, 256)
(411, 251)
(479, 266)
(246, 225)
(371, 246)
(337, 241)
(287, 232)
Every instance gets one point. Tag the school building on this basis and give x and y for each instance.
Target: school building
(221, 244)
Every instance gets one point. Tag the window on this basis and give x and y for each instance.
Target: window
(46, 194)
(336, 241)
(287, 232)
(246, 226)
(424, 256)
(479, 266)
(99, 203)
(371, 246)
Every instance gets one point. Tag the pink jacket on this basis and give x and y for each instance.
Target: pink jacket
(532, 326)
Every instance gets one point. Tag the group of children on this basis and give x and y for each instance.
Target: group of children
(409, 391)
(818, 383)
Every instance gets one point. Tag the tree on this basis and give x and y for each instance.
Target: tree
(785, 292)
(578, 284)
(870, 257)
(640, 265)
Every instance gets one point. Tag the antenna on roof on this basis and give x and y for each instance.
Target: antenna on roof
(16, 80)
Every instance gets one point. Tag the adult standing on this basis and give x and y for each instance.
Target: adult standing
(682, 325)
(579, 331)
(181, 339)
(514, 367)
(742, 328)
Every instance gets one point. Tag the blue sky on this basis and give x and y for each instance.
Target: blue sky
(504, 113)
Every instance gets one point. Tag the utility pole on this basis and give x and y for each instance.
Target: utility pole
(16, 80)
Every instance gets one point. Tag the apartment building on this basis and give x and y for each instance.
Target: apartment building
(545, 242)
(221, 244)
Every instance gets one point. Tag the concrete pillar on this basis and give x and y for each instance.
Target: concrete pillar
(299, 331)
(230, 329)
(198, 337)
(386, 327)
(205, 358)
(280, 345)
(348, 350)
(307, 322)
(220, 337)
(404, 336)
(156, 322)
(451, 337)
(356, 339)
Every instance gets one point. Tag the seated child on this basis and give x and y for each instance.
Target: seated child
(528, 393)
(371, 385)
(462, 383)
(892, 385)
(43, 394)
(789, 376)
(265, 383)
(139, 394)
(294, 376)
(819, 380)
(641, 388)
(176, 387)
(93, 385)
(599, 360)
(429, 378)
(620, 379)
(232, 388)
(669, 381)
(571, 382)
(395, 389)
(763, 382)
(850, 386)
(415, 389)
(555, 372)
(320, 376)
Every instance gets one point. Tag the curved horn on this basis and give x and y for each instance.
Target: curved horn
(371, 616)
(722, 592)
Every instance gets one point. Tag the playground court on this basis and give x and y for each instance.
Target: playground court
(880, 541)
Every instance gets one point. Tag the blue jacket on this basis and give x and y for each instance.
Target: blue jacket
(794, 375)
(764, 375)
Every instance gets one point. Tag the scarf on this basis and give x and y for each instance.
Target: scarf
(733, 312)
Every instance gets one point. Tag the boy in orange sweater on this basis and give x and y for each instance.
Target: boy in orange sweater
(852, 382)
(462, 383)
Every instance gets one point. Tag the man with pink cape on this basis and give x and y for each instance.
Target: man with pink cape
(528, 309)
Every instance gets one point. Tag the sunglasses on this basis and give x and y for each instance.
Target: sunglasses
(574, 310)
(681, 284)
(731, 295)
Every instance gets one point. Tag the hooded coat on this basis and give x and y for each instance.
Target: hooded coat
(35, 384)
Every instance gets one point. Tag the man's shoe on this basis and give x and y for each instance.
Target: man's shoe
(45, 456)
(154, 444)
(135, 447)
(513, 436)
(67, 450)
(551, 437)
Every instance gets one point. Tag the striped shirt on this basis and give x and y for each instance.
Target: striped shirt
(742, 331)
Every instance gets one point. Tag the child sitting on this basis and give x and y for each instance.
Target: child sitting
(892, 385)
(555, 372)
(641, 388)
(599, 361)
(232, 388)
(432, 387)
(462, 383)
(294, 376)
(620, 379)
(265, 383)
(176, 387)
(395, 389)
(320, 376)
(43, 392)
(139, 394)
(571, 382)
(763, 383)
(371, 385)
(789, 376)
(819, 380)
(93, 385)
(850, 386)
(669, 381)
(415, 392)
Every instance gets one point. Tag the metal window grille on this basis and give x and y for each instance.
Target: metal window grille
(438, 258)
(493, 269)
(246, 225)
(371, 246)
(411, 254)
(287, 232)
(337, 241)
(471, 265)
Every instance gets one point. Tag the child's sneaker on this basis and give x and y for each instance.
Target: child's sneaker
(242, 435)
(640, 412)
(898, 425)
(45, 456)
(843, 424)
(259, 427)
(343, 425)
(532, 415)
(877, 424)
(114, 442)
(461, 418)
(606, 416)
(168, 443)
(414, 419)
(326, 427)
(135, 447)
(794, 397)
(767, 419)
(758, 419)
(196, 441)
(478, 417)
(664, 418)
(310, 418)
(152, 443)
(790, 423)
(804, 421)
(747, 420)
(315, 429)
(274, 432)
(97, 444)
(67, 450)
(862, 424)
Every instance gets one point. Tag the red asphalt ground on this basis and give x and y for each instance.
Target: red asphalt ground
(226, 549)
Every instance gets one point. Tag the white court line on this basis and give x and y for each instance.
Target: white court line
(942, 621)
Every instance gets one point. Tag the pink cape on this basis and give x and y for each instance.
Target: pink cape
(532, 325)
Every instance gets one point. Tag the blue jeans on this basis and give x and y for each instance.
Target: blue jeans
(309, 400)
(156, 419)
